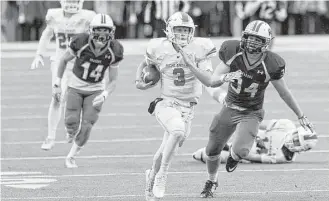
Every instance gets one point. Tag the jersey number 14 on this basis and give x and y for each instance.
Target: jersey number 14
(252, 89)
(93, 72)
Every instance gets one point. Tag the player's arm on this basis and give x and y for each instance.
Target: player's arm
(111, 81)
(67, 56)
(252, 6)
(218, 94)
(261, 158)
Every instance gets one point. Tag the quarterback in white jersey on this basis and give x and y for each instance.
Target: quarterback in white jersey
(180, 91)
(278, 141)
(63, 23)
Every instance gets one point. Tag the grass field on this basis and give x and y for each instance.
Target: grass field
(112, 164)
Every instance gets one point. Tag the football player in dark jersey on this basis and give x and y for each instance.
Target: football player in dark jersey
(97, 54)
(248, 66)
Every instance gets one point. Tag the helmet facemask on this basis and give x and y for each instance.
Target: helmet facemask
(254, 44)
(300, 140)
(102, 35)
(71, 6)
(181, 35)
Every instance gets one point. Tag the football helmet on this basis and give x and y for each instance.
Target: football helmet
(263, 37)
(99, 22)
(180, 19)
(71, 6)
(300, 140)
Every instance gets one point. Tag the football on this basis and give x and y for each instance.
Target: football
(151, 73)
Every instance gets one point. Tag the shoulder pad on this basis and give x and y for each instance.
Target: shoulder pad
(52, 14)
(228, 49)
(275, 65)
(78, 41)
(117, 49)
(152, 47)
(88, 14)
(208, 48)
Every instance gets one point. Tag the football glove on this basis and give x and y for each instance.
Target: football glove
(305, 123)
(37, 61)
(57, 91)
(99, 100)
(231, 77)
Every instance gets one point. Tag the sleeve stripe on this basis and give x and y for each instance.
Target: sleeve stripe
(213, 50)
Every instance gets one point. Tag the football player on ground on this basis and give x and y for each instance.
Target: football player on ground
(248, 66)
(278, 141)
(94, 53)
(62, 23)
(180, 92)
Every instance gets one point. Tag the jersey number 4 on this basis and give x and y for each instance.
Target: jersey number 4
(180, 76)
(252, 89)
(93, 72)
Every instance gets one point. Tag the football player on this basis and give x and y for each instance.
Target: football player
(278, 141)
(95, 53)
(180, 91)
(62, 23)
(248, 66)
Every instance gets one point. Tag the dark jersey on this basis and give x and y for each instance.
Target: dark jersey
(248, 91)
(89, 67)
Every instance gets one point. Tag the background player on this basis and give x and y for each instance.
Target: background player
(180, 91)
(278, 141)
(249, 67)
(62, 23)
(94, 53)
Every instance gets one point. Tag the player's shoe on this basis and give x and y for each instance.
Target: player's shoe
(70, 162)
(149, 186)
(231, 164)
(199, 155)
(159, 186)
(48, 144)
(208, 189)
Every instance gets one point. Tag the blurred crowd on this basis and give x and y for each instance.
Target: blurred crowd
(24, 20)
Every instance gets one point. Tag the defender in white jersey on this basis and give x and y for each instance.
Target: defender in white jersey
(63, 23)
(278, 141)
(180, 92)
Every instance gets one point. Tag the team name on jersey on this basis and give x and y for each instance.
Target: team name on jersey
(95, 60)
(174, 65)
(247, 75)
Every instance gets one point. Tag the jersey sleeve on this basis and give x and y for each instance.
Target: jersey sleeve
(228, 49)
(77, 42)
(277, 66)
(118, 50)
(150, 55)
(50, 17)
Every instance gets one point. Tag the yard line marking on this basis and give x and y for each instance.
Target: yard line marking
(18, 173)
(178, 172)
(189, 195)
(205, 125)
(112, 156)
(117, 140)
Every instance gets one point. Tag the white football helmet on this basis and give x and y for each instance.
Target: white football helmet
(180, 19)
(262, 31)
(71, 6)
(301, 140)
(101, 21)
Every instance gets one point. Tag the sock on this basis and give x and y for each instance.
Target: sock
(54, 116)
(74, 150)
(212, 166)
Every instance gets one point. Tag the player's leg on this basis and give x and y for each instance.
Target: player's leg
(89, 117)
(172, 121)
(221, 129)
(73, 109)
(246, 133)
(54, 112)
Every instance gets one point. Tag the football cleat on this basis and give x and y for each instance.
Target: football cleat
(70, 163)
(149, 186)
(159, 186)
(231, 164)
(48, 144)
(208, 189)
(200, 155)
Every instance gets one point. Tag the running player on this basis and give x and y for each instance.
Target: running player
(248, 66)
(95, 53)
(278, 141)
(62, 23)
(180, 92)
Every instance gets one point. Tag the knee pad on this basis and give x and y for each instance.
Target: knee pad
(72, 124)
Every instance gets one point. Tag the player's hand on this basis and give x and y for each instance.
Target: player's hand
(38, 60)
(305, 123)
(100, 99)
(231, 77)
(57, 91)
(186, 58)
(142, 85)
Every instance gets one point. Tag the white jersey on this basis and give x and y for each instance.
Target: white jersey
(65, 27)
(177, 80)
(274, 139)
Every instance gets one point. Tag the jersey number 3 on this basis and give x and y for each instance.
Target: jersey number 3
(95, 72)
(252, 89)
(180, 76)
